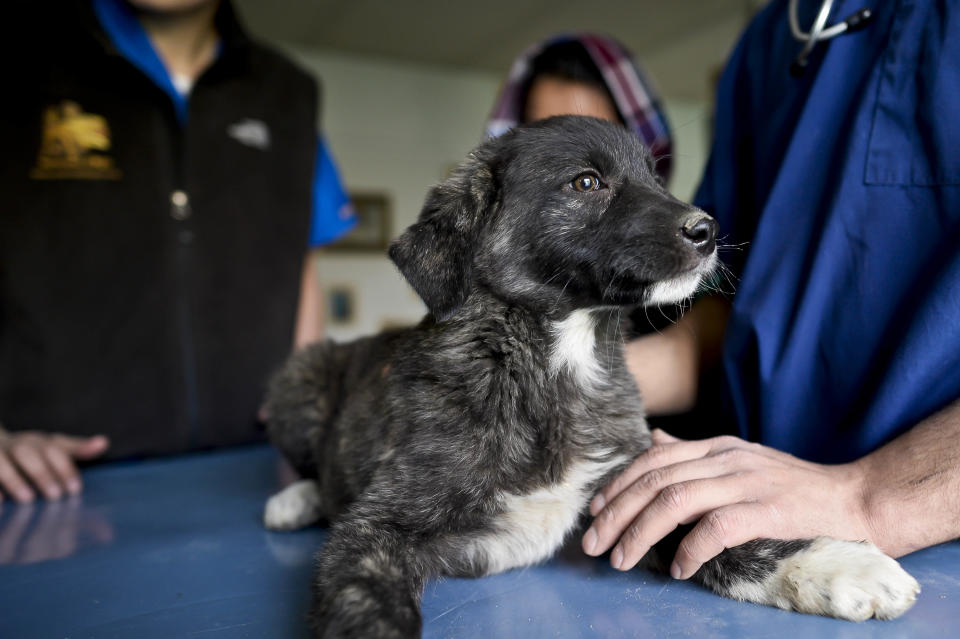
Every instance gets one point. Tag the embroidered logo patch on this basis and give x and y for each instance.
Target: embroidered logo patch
(74, 146)
(251, 132)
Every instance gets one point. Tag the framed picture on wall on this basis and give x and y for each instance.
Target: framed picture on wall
(341, 304)
(374, 225)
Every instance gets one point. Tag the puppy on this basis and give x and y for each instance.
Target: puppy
(472, 443)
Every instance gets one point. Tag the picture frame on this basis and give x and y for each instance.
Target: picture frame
(341, 305)
(372, 232)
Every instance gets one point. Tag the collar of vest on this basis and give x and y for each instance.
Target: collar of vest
(234, 38)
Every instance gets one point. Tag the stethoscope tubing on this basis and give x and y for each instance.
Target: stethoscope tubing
(819, 32)
(821, 19)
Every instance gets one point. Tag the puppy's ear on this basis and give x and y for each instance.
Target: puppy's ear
(436, 253)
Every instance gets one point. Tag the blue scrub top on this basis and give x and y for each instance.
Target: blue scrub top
(845, 329)
(332, 215)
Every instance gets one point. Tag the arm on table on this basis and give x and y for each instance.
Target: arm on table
(902, 497)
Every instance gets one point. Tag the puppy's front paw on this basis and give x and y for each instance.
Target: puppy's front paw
(295, 506)
(845, 579)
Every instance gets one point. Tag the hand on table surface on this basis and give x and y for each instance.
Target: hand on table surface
(35, 461)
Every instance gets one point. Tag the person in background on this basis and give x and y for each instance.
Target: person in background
(841, 350)
(583, 74)
(163, 180)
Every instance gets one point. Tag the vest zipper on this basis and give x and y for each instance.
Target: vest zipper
(182, 212)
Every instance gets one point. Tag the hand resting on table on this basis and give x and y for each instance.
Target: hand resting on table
(34, 462)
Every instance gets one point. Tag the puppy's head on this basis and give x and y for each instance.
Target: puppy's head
(561, 214)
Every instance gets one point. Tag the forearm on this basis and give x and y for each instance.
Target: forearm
(667, 365)
(911, 486)
(309, 325)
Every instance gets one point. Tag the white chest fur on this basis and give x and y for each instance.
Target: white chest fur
(574, 348)
(531, 527)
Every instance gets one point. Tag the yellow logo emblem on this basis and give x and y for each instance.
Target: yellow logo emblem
(74, 146)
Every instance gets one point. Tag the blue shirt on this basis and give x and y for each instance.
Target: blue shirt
(332, 215)
(845, 182)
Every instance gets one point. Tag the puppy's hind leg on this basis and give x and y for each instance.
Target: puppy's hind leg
(301, 400)
(824, 576)
(368, 583)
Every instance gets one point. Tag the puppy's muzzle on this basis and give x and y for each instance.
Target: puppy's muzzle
(700, 231)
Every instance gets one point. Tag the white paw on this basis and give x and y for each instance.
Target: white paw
(295, 506)
(845, 579)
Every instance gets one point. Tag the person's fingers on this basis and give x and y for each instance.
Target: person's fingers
(30, 461)
(623, 509)
(670, 451)
(676, 504)
(719, 529)
(63, 468)
(82, 448)
(659, 436)
(657, 456)
(12, 482)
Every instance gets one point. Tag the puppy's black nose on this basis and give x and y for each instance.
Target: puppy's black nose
(700, 230)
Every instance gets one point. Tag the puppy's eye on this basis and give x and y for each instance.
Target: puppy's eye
(586, 182)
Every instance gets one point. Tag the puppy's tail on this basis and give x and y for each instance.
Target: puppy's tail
(368, 585)
(301, 400)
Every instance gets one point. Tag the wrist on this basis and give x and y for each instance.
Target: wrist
(868, 506)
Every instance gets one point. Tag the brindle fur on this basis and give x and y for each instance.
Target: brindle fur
(418, 438)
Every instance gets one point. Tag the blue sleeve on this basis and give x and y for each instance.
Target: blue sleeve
(333, 213)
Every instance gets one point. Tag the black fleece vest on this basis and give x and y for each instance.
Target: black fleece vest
(149, 271)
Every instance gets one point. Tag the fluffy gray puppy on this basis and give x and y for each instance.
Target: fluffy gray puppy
(473, 442)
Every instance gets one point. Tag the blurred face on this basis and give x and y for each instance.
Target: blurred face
(550, 96)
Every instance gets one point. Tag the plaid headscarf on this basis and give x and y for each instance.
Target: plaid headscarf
(633, 95)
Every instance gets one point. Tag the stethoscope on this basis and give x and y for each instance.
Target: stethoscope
(854, 22)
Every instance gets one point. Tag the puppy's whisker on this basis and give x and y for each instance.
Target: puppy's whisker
(723, 244)
(548, 280)
(556, 302)
(730, 277)
(611, 339)
(697, 118)
(610, 284)
(611, 345)
(665, 316)
(650, 321)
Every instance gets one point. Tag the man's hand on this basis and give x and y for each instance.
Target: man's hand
(738, 491)
(34, 460)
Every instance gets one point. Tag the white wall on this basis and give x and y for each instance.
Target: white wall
(686, 67)
(689, 124)
(397, 128)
